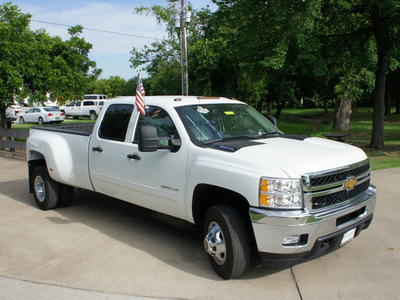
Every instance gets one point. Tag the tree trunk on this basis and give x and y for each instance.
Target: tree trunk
(326, 106)
(388, 104)
(378, 115)
(269, 108)
(281, 105)
(397, 103)
(259, 106)
(3, 123)
(343, 112)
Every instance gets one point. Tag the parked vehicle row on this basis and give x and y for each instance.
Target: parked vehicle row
(90, 106)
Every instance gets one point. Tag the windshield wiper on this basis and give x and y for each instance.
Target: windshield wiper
(232, 138)
(270, 133)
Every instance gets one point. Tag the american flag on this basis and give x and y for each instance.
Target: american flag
(140, 96)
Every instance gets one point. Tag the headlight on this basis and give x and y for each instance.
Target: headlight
(281, 193)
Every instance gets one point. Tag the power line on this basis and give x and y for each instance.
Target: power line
(98, 30)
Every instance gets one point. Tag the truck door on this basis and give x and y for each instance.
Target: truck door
(77, 109)
(155, 180)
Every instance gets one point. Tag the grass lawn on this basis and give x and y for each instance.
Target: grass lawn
(26, 126)
(314, 122)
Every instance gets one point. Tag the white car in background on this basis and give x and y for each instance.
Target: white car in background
(42, 115)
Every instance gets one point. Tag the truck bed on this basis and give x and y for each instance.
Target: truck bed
(79, 129)
(65, 148)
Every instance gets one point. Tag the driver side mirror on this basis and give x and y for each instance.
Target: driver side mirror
(148, 140)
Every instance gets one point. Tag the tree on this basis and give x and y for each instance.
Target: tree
(34, 64)
(114, 86)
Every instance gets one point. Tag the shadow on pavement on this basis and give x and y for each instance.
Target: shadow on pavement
(136, 227)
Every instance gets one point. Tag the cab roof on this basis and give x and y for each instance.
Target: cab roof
(177, 101)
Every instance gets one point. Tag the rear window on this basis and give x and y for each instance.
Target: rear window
(90, 97)
(49, 109)
(115, 122)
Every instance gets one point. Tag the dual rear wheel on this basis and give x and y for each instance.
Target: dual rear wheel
(47, 193)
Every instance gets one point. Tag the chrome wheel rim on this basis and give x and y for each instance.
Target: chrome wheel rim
(40, 188)
(214, 243)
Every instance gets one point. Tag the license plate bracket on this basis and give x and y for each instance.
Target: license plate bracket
(348, 237)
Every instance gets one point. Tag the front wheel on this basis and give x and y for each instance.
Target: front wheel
(21, 120)
(45, 190)
(226, 241)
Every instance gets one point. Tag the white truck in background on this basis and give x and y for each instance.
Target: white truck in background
(90, 106)
(215, 163)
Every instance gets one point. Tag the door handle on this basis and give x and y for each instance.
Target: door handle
(133, 156)
(97, 149)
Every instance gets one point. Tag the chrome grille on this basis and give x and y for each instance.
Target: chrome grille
(340, 176)
(328, 188)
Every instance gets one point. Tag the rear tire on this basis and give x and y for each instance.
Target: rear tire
(40, 121)
(8, 124)
(93, 115)
(226, 241)
(45, 190)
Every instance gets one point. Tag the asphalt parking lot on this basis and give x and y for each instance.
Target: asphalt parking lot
(101, 248)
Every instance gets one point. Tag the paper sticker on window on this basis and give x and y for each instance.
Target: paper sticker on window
(229, 113)
(202, 110)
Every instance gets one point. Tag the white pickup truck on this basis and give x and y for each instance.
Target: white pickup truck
(90, 106)
(216, 163)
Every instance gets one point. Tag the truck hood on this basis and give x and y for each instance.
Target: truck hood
(296, 156)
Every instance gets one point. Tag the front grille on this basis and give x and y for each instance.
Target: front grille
(340, 176)
(325, 189)
(339, 197)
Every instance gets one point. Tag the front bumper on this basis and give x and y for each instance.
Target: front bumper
(321, 232)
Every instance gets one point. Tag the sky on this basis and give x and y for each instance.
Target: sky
(110, 51)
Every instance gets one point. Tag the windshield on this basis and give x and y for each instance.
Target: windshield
(217, 122)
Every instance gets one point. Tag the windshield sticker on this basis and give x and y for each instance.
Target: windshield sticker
(229, 113)
(202, 110)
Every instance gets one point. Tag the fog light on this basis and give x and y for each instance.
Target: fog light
(291, 239)
(295, 240)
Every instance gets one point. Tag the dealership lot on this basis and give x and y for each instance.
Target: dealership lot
(101, 248)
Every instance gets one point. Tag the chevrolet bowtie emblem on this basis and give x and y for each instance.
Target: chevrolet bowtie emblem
(350, 183)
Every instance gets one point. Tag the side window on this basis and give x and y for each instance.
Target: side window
(78, 103)
(88, 103)
(115, 122)
(159, 118)
(71, 104)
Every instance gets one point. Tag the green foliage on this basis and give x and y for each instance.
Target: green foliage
(112, 87)
(33, 64)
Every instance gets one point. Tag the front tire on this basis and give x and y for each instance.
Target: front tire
(226, 241)
(45, 190)
(21, 120)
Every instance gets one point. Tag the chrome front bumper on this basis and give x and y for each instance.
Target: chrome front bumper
(271, 227)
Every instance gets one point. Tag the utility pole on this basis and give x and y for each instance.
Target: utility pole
(184, 17)
(184, 62)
